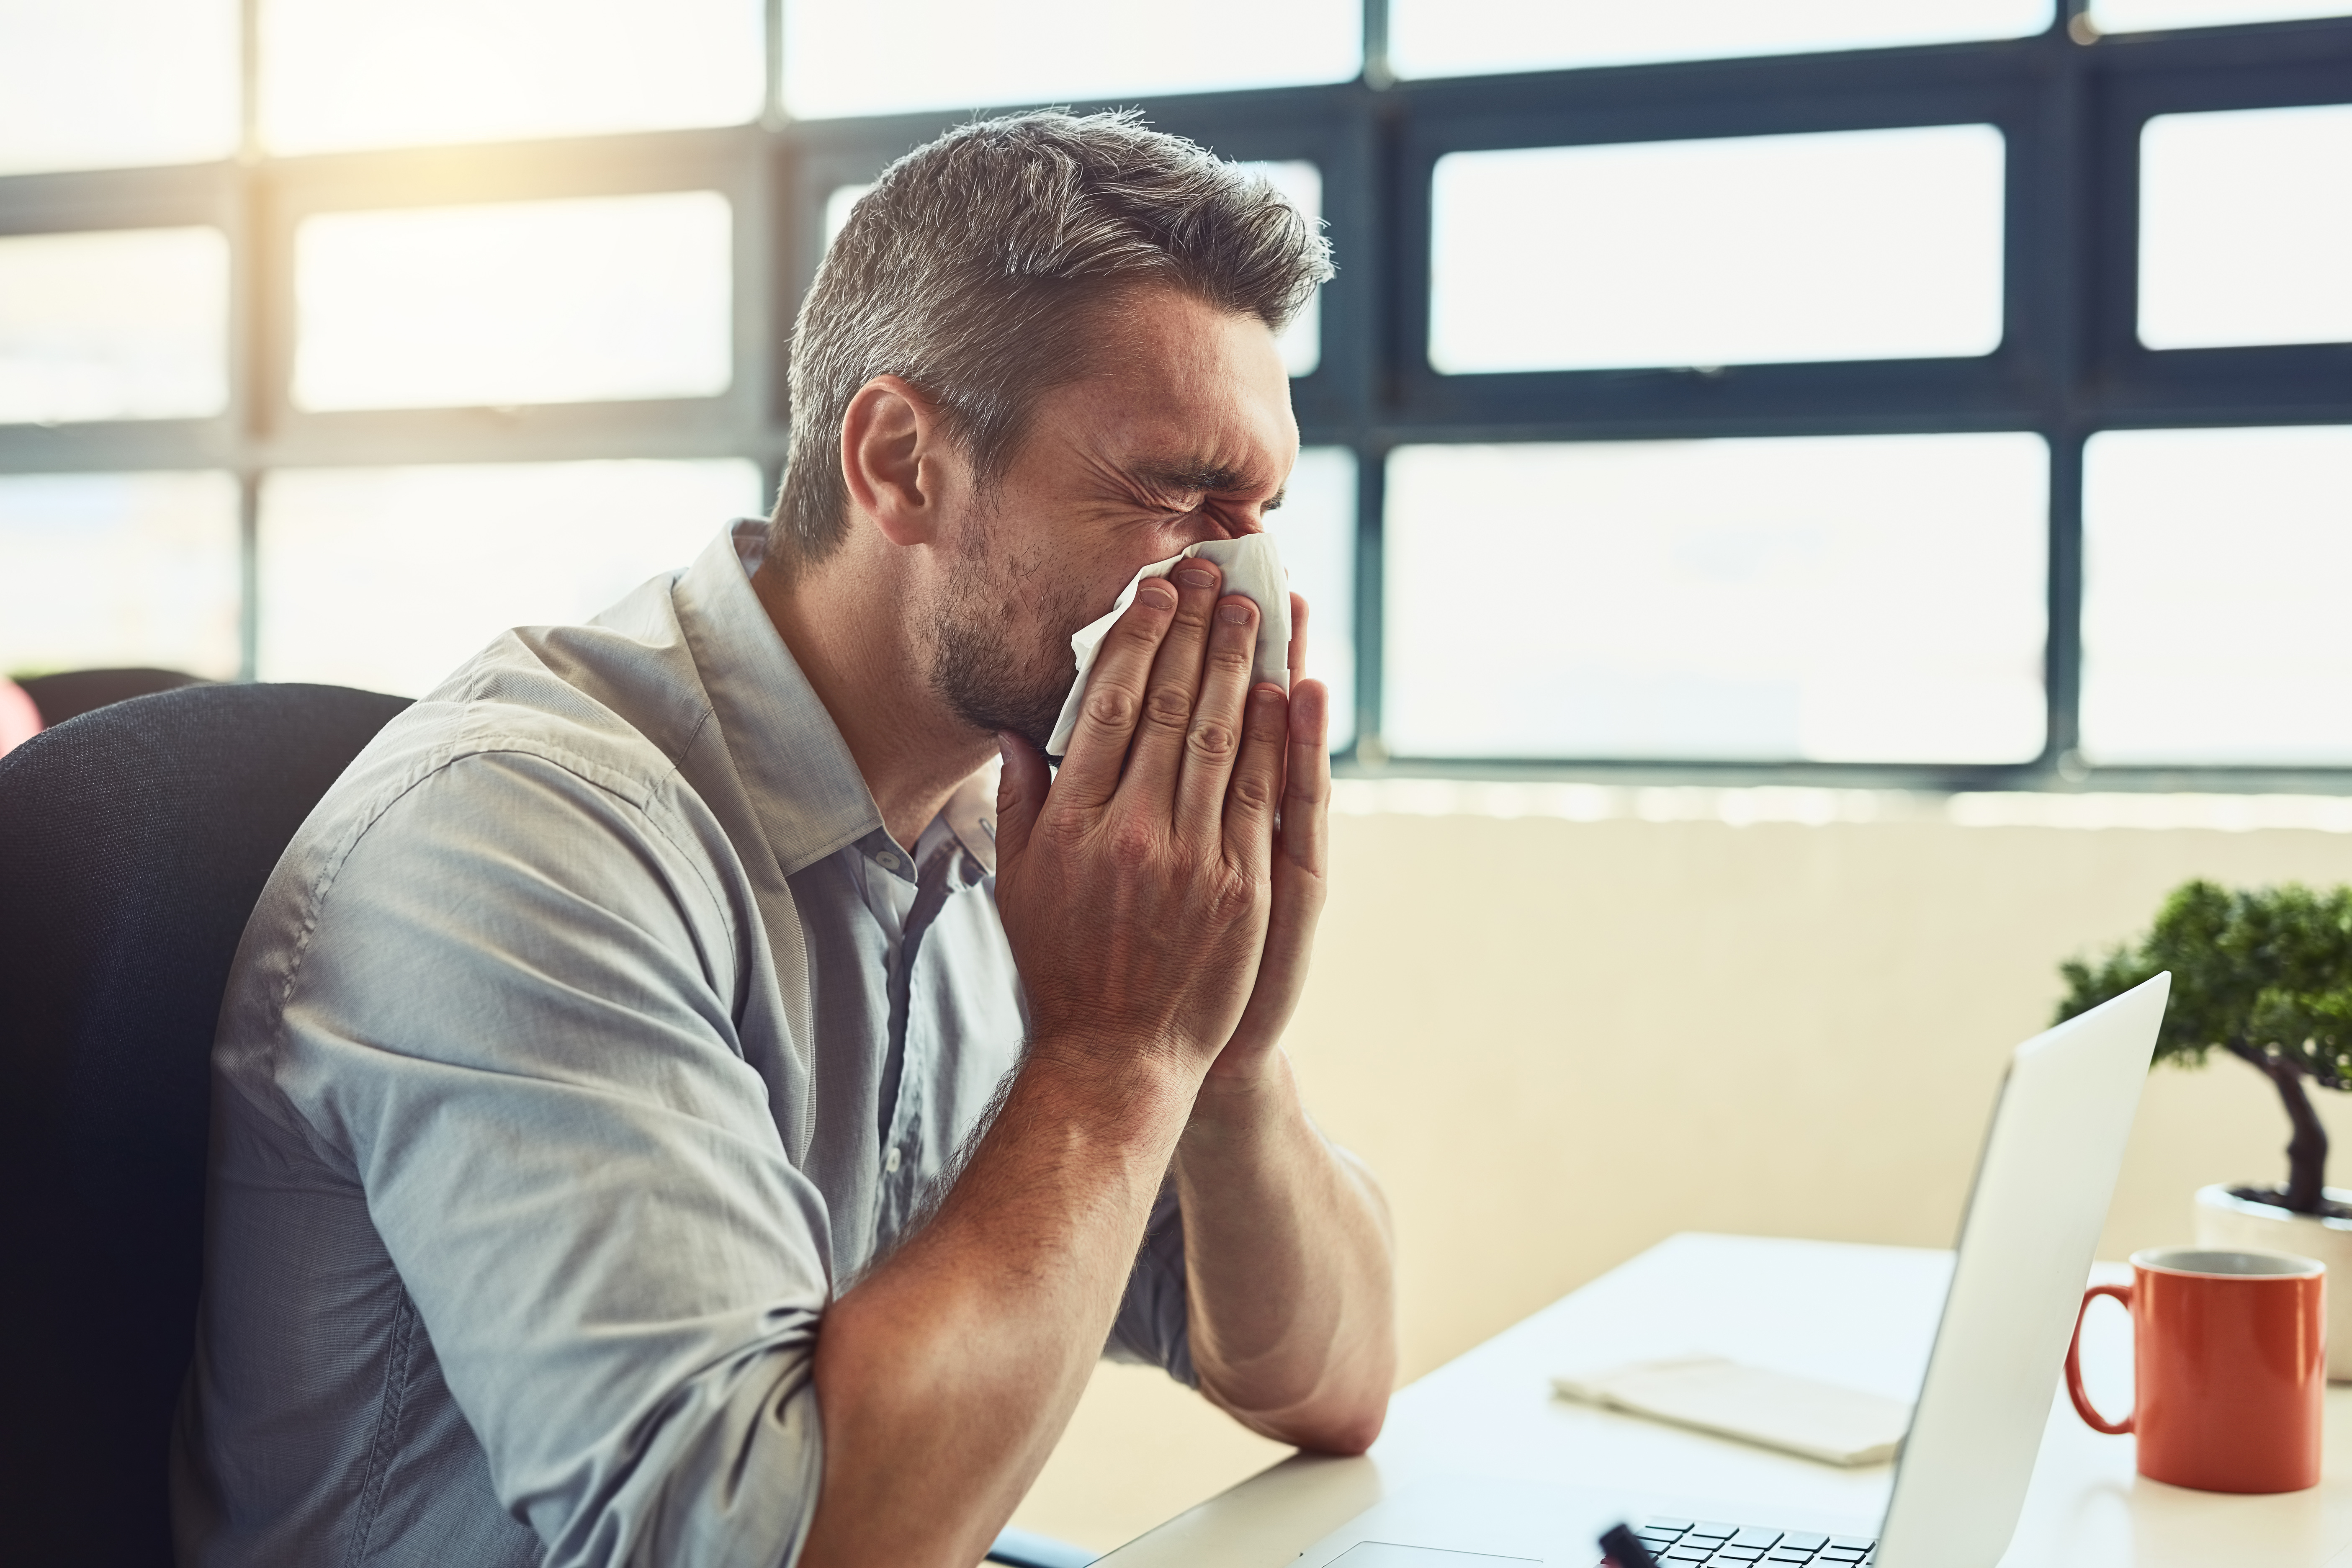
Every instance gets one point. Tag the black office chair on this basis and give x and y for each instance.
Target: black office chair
(134, 842)
(70, 693)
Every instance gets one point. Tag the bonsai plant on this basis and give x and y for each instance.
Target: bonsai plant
(2266, 975)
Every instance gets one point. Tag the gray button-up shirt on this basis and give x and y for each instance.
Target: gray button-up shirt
(591, 1036)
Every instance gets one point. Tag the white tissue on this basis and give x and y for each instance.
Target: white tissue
(1252, 569)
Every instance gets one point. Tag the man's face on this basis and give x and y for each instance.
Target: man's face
(1183, 434)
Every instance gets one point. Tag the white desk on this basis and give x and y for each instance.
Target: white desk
(1859, 1315)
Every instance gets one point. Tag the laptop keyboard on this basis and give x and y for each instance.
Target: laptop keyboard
(1685, 1543)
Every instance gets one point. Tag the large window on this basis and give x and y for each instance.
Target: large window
(1952, 394)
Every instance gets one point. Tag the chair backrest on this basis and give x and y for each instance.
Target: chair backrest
(70, 693)
(133, 842)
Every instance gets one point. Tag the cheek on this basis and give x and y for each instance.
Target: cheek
(1032, 605)
(1057, 592)
(1044, 588)
(1114, 570)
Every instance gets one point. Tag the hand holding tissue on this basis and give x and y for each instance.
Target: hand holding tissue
(1252, 569)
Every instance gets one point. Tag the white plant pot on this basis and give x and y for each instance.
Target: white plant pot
(2233, 1223)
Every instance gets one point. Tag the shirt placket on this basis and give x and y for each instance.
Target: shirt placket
(907, 1064)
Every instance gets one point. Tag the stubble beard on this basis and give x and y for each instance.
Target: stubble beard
(1000, 654)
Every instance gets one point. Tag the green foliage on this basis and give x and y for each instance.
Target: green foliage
(2267, 970)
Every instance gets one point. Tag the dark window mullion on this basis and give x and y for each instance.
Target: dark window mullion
(2064, 664)
(1393, 263)
(1372, 501)
(250, 312)
(2061, 272)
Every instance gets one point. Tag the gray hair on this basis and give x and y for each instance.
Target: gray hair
(976, 267)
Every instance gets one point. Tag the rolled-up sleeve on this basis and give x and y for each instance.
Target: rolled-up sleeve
(1151, 1324)
(529, 1067)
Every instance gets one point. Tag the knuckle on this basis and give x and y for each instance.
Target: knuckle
(1109, 704)
(1130, 636)
(1254, 791)
(1133, 845)
(1138, 632)
(1234, 657)
(1210, 739)
(1235, 897)
(1168, 707)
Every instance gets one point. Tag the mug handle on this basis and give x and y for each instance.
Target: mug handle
(2083, 1406)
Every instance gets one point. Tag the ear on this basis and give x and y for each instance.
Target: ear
(893, 459)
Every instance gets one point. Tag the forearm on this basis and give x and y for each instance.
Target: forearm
(1290, 1257)
(945, 1377)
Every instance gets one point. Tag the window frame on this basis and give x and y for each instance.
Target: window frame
(2070, 105)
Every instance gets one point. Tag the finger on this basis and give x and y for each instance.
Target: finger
(1213, 740)
(1298, 653)
(1307, 788)
(1114, 699)
(1300, 881)
(1156, 754)
(1020, 793)
(1250, 798)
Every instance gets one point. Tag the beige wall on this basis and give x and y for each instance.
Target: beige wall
(1558, 1041)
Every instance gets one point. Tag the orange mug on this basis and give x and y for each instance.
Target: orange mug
(2230, 1360)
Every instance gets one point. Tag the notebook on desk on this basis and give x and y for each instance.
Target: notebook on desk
(2032, 1222)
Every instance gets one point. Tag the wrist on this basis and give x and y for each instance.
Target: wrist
(1110, 1081)
(1242, 1098)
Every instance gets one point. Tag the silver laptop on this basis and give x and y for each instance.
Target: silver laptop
(2033, 1220)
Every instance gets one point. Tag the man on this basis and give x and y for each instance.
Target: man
(666, 1114)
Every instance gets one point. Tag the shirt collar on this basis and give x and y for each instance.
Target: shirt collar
(970, 816)
(804, 783)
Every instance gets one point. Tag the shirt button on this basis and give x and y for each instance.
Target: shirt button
(888, 862)
(890, 1160)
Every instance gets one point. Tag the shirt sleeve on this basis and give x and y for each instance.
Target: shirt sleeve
(1152, 1328)
(528, 1061)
